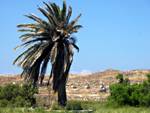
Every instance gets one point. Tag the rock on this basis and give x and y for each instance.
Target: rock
(73, 86)
(102, 88)
(14, 83)
(87, 86)
(107, 89)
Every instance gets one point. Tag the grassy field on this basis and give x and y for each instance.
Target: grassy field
(125, 109)
(105, 108)
(95, 106)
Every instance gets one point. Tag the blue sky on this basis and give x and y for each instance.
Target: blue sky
(116, 33)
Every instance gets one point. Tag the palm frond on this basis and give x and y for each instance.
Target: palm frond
(30, 36)
(63, 11)
(56, 10)
(75, 28)
(32, 26)
(53, 53)
(26, 30)
(43, 23)
(27, 43)
(72, 23)
(75, 46)
(49, 9)
(25, 53)
(68, 15)
(44, 66)
(52, 20)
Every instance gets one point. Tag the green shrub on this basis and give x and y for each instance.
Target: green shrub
(17, 96)
(74, 105)
(3, 102)
(148, 77)
(71, 105)
(119, 94)
(120, 78)
(123, 93)
(55, 106)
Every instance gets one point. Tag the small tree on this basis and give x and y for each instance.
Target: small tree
(120, 78)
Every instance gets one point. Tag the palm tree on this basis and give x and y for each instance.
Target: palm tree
(49, 42)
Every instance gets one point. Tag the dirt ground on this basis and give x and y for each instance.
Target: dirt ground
(85, 87)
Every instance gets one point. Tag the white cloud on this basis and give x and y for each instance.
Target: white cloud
(83, 72)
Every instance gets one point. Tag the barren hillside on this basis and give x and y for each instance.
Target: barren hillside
(86, 87)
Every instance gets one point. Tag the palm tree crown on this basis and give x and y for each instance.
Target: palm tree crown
(47, 41)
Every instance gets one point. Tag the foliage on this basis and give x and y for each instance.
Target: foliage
(49, 40)
(134, 95)
(121, 79)
(17, 96)
(71, 105)
(74, 105)
(148, 76)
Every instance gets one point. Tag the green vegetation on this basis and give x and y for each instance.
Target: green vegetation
(123, 93)
(97, 107)
(71, 105)
(17, 96)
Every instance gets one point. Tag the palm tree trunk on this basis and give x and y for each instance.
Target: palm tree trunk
(62, 96)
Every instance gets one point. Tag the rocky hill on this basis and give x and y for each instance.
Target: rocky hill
(86, 87)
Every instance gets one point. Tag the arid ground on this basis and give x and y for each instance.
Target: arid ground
(84, 87)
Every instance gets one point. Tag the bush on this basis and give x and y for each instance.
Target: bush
(17, 96)
(74, 105)
(122, 80)
(55, 106)
(119, 94)
(123, 93)
(71, 105)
